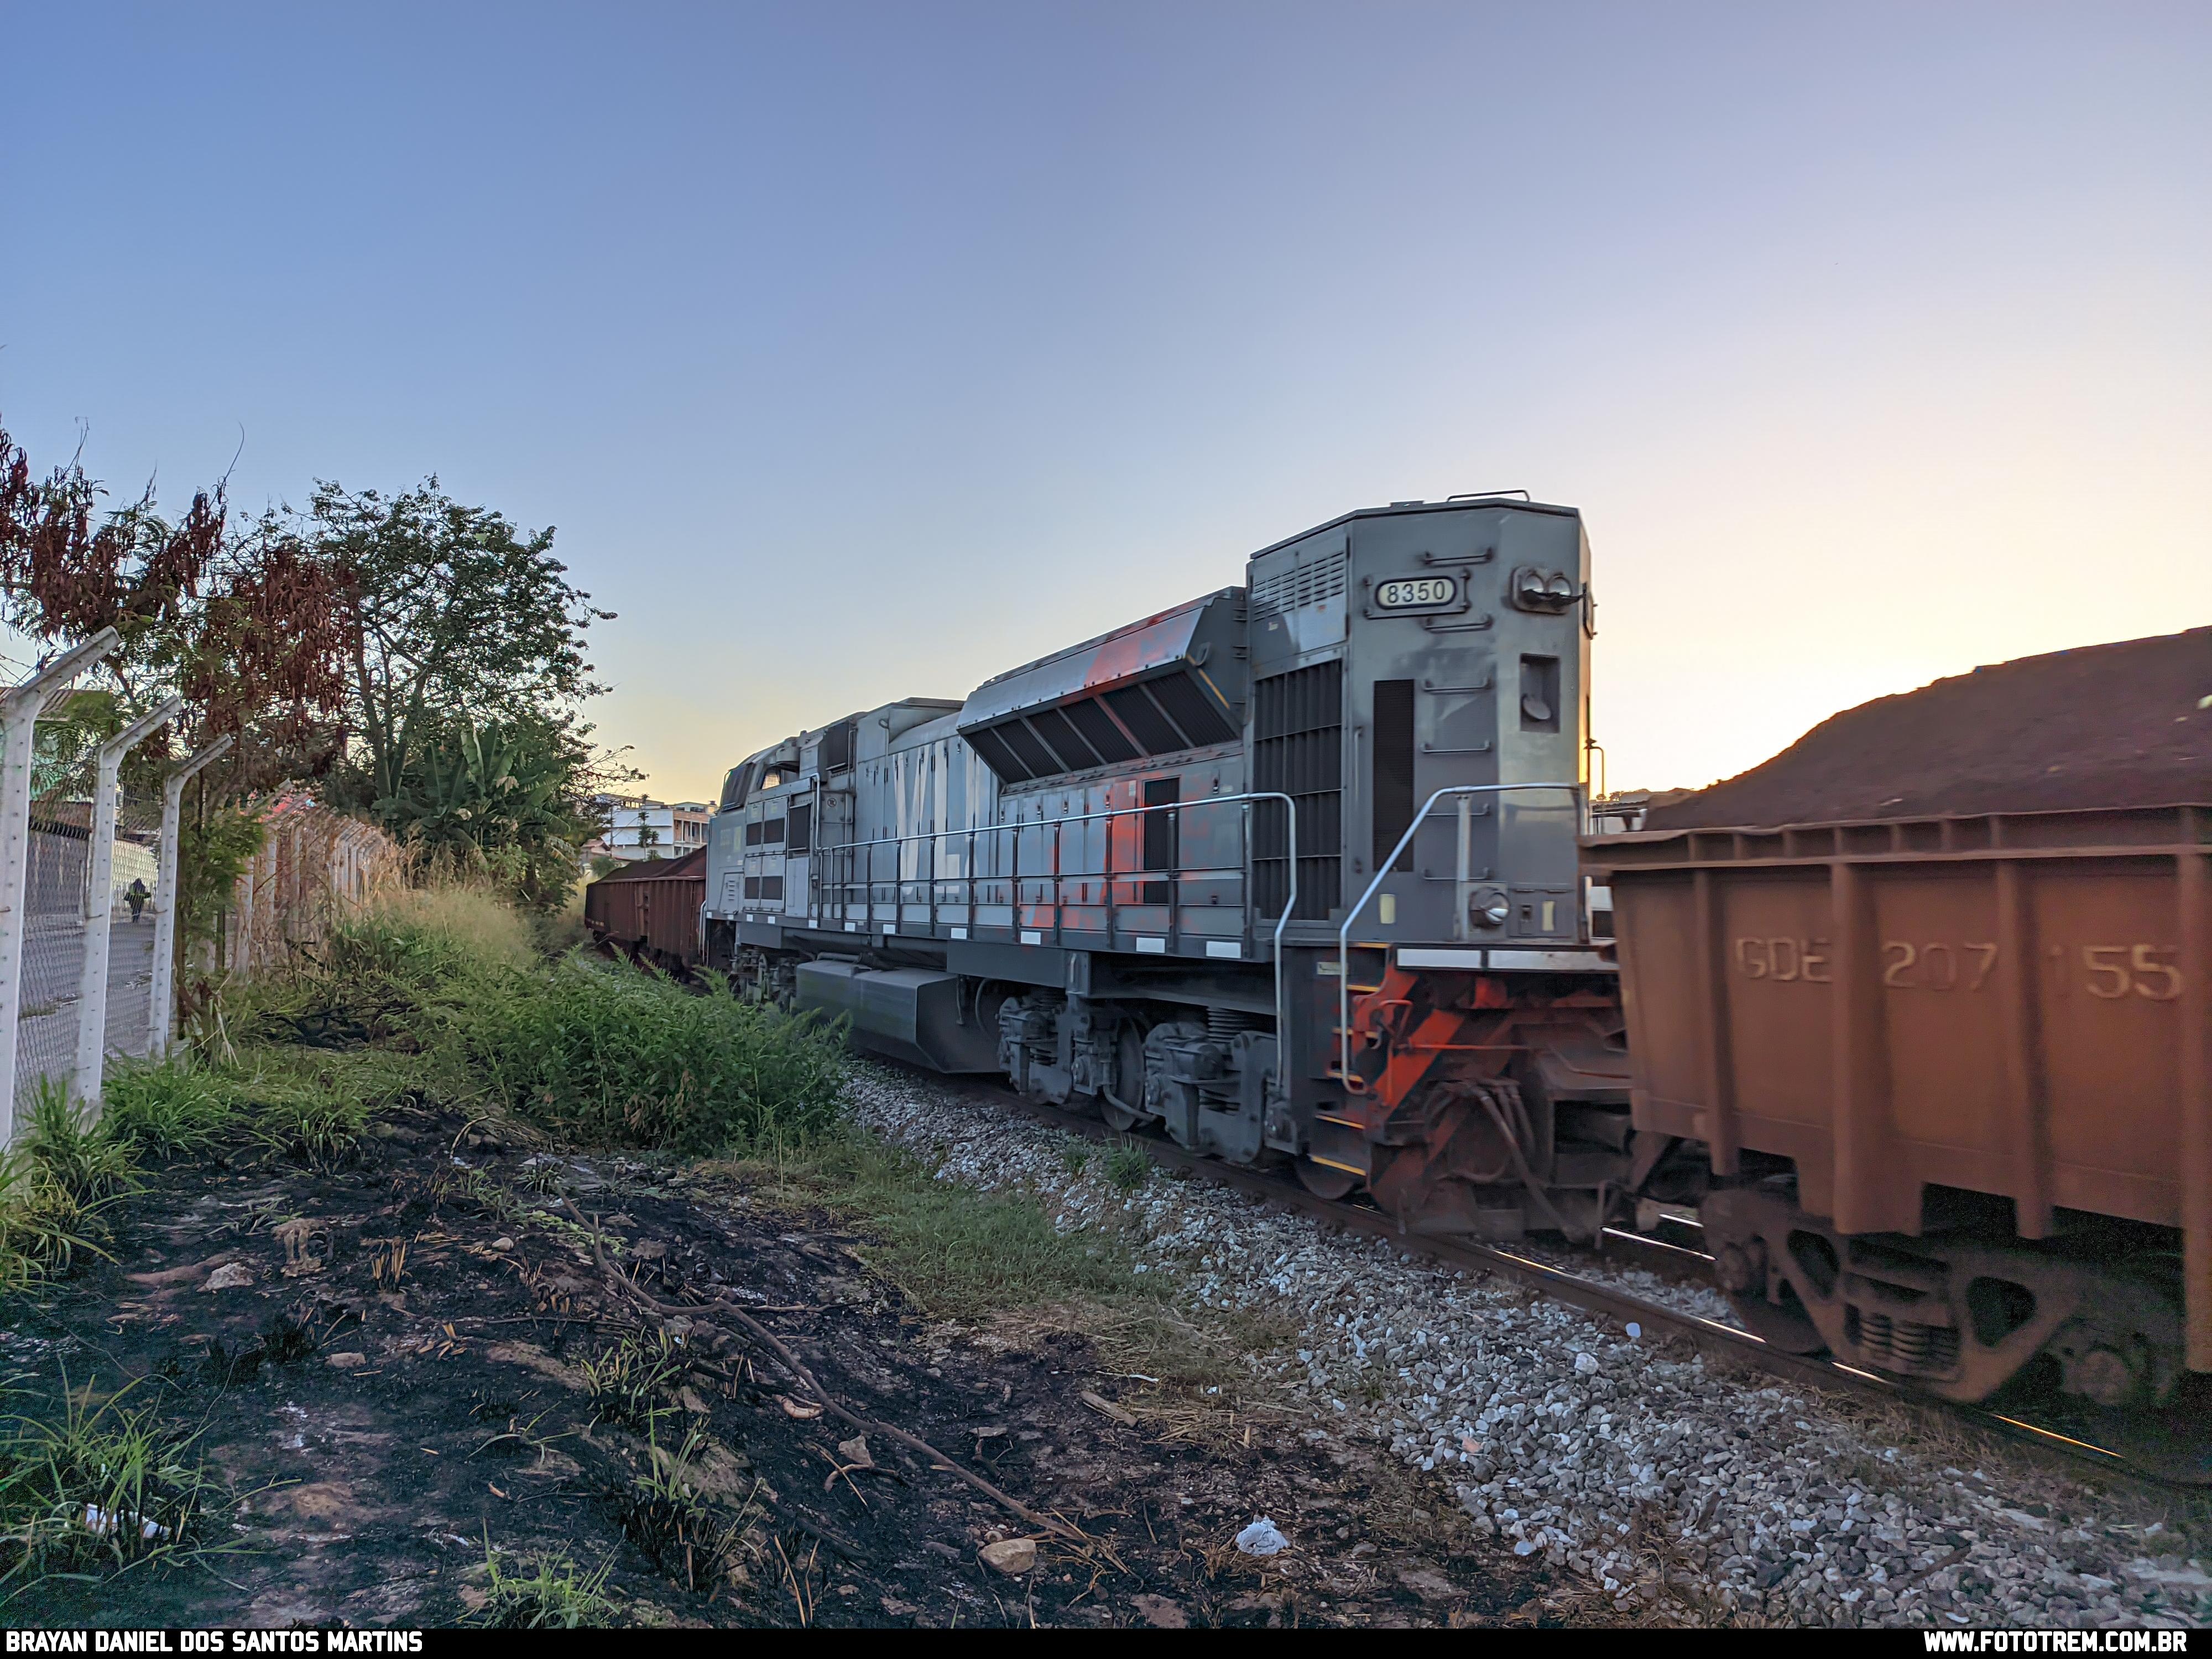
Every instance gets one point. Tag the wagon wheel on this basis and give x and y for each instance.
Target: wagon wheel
(1323, 1181)
(1128, 1079)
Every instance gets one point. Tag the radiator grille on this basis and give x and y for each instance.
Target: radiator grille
(1297, 750)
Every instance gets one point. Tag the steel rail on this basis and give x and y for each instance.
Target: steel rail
(1707, 1335)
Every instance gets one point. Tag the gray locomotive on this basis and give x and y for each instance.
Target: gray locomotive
(1290, 871)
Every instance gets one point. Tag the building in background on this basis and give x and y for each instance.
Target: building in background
(640, 827)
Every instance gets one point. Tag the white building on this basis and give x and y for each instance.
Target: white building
(638, 827)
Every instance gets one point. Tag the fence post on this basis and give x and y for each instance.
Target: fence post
(20, 709)
(161, 1011)
(100, 903)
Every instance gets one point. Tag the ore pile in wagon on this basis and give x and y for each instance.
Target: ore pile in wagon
(2128, 725)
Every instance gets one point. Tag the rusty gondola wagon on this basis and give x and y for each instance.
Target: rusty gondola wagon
(648, 911)
(1933, 992)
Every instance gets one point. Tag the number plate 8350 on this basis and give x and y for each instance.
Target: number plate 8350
(1410, 592)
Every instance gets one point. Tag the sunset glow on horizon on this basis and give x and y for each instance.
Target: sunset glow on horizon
(861, 352)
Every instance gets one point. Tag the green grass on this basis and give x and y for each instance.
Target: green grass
(631, 1382)
(1129, 1166)
(95, 1490)
(998, 1258)
(310, 1105)
(93, 1167)
(555, 1594)
(43, 1227)
(606, 1055)
(167, 1109)
(56, 1185)
(671, 1513)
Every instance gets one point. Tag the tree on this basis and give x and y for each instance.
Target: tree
(423, 661)
(249, 626)
(458, 619)
(511, 800)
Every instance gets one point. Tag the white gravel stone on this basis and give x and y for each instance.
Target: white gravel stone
(1560, 1434)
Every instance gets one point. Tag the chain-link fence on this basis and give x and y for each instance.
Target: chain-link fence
(56, 908)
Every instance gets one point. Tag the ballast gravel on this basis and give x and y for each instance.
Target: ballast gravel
(1678, 1490)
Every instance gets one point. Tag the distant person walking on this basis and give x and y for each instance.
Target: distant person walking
(136, 896)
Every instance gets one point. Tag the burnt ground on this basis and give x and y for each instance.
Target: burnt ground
(369, 1434)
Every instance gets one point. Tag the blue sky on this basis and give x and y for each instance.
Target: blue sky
(864, 350)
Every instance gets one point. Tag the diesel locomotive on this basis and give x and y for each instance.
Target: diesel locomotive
(1306, 872)
(1290, 872)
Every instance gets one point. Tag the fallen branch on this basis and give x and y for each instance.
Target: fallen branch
(805, 1378)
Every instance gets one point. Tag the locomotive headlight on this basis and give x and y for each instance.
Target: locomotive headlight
(1546, 591)
(1488, 907)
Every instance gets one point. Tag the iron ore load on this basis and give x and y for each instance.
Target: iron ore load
(1930, 993)
(1179, 874)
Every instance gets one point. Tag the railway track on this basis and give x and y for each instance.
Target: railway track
(1593, 1295)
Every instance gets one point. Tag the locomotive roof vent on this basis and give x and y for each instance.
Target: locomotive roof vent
(1158, 687)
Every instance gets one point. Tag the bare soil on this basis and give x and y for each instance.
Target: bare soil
(2107, 726)
(360, 1482)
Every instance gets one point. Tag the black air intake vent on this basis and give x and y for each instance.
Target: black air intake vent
(1134, 708)
(1297, 750)
(1098, 730)
(987, 742)
(1189, 707)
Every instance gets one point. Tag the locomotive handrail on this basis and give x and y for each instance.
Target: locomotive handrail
(1383, 869)
(1290, 847)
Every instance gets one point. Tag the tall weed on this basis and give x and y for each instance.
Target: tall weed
(376, 975)
(610, 1056)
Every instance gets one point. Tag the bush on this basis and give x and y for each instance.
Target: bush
(610, 1056)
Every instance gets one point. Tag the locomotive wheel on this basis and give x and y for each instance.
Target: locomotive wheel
(1128, 1079)
(1787, 1329)
(1323, 1181)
